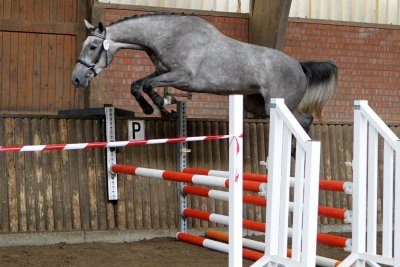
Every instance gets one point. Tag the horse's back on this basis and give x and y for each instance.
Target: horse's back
(215, 62)
(247, 68)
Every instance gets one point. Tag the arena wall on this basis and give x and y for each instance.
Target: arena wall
(65, 191)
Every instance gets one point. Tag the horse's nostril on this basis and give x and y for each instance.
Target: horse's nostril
(76, 81)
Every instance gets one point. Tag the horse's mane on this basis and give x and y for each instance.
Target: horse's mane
(150, 14)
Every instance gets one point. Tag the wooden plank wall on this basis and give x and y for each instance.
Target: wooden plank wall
(38, 43)
(64, 191)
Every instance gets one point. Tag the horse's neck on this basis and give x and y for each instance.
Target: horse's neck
(140, 32)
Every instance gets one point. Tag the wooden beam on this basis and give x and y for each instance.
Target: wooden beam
(268, 22)
(13, 25)
(168, 10)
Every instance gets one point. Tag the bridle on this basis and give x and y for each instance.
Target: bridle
(104, 47)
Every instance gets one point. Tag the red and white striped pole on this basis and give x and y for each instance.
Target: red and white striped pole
(215, 245)
(325, 239)
(183, 177)
(328, 185)
(260, 246)
(334, 213)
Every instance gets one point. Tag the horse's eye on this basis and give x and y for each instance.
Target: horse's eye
(92, 47)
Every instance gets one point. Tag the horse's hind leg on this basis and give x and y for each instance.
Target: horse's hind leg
(136, 86)
(305, 120)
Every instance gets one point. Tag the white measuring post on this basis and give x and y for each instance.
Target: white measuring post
(111, 153)
(235, 180)
(182, 159)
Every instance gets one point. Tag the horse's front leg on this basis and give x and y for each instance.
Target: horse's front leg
(135, 91)
(173, 79)
(154, 96)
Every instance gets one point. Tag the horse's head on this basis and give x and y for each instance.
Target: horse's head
(96, 54)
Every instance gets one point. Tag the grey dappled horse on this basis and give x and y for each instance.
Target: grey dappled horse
(192, 55)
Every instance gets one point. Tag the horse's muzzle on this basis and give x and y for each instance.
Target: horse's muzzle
(75, 81)
(79, 82)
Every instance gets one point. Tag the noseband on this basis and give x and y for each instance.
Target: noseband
(104, 47)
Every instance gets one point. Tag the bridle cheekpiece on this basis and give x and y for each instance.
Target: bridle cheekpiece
(105, 46)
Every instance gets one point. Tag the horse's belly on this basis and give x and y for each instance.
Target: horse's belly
(223, 85)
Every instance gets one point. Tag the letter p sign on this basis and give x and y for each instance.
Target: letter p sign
(136, 130)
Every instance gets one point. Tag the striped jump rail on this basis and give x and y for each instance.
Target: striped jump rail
(183, 177)
(216, 245)
(80, 146)
(260, 246)
(334, 213)
(328, 185)
(325, 239)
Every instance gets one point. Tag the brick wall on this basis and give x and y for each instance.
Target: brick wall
(367, 56)
(131, 65)
(368, 59)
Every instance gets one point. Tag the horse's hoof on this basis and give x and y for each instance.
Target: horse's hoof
(148, 110)
(144, 105)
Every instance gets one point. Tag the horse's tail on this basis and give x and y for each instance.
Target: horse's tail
(321, 81)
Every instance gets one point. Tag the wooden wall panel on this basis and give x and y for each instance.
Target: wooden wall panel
(43, 10)
(38, 42)
(66, 190)
(35, 73)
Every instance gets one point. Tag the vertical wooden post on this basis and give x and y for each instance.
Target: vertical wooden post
(268, 22)
(95, 97)
(84, 8)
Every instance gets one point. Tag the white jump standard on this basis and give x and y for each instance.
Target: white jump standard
(367, 128)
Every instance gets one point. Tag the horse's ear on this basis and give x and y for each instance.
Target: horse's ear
(89, 26)
(101, 27)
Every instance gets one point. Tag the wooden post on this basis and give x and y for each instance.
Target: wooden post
(97, 87)
(84, 9)
(268, 21)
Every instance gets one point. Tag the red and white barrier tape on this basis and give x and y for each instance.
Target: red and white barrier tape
(78, 146)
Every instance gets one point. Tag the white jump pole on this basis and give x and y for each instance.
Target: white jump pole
(235, 180)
